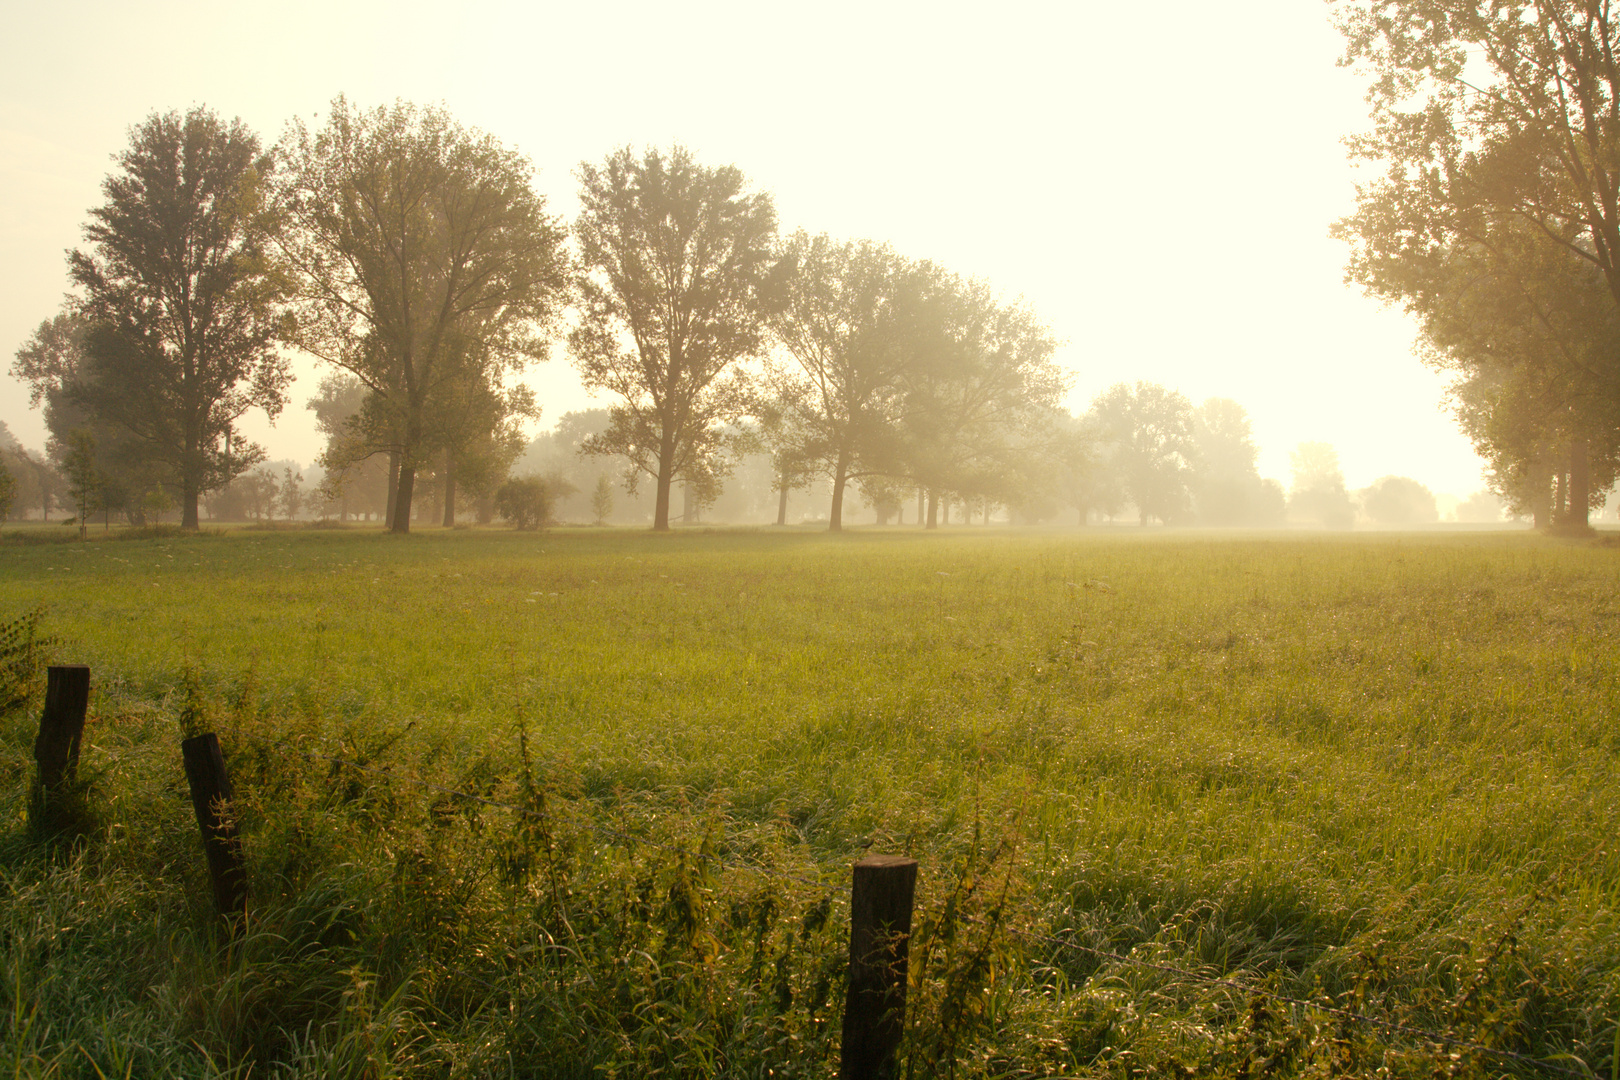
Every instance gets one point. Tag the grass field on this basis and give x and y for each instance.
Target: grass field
(1372, 772)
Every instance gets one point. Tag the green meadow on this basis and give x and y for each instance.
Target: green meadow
(1184, 802)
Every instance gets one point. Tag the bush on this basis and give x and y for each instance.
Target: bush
(526, 501)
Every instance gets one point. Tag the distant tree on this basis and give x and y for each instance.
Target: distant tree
(479, 427)
(560, 452)
(985, 381)
(1398, 500)
(355, 473)
(8, 491)
(259, 489)
(602, 499)
(1227, 488)
(1481, 507)
(85, 481)
(289, 494)
(180, 302)
(36, 483)
(1318, 492)
(423, 262)
(674, 255)
(1151, 431)
(841, 312)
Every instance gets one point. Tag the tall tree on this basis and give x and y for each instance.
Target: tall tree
(423, 262)
(1227, 488)
(674, 256)
(1498, 125)
(180, 303)
(1152, 432)
(840, 312)
(985, 375)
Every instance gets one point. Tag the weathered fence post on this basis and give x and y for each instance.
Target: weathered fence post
(879, 930)
(211, 799)
(56, 749)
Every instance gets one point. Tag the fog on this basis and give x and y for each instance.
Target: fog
(1158, 189)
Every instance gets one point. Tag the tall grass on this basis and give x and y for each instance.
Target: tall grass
(1371, 772)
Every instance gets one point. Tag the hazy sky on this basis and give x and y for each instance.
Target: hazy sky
(1157, 183)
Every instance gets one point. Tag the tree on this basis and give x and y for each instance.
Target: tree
(674, 257)
(1086, 474)
(479, 427)
(984, 380)
(8, 491)
(181, 306)
(354, 476)
(289, 493)
(1529, 334)
(1152, 433)
(1497, 125)
(1480, 507)
(423, 262)
(1399, 500)
(1227, 488)
(259, 489)
(83, 477)
(840, 312)
(602, 499)
(1318, 491)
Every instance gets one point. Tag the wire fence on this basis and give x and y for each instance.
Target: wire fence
(833, 879)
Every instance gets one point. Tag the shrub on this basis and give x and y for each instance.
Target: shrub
(526, 501)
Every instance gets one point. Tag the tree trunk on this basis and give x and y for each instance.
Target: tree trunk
(781, 504)
(835, 517)
(1540, 494)
(188, 507)
(919, 505)
(1577, 507)
(661, 503)
(449, 490)
(401, 510)
(933, 511)
(393, 488)
(666, 476)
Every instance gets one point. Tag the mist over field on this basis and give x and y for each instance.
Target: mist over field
(715, 542)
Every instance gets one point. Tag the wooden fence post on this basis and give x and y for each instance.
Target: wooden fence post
(211, 799)
(879, 930)
(56, 749)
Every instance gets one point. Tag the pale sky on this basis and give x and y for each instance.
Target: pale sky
(1158, 182)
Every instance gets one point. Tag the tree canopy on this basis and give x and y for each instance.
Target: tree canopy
(674, 257)
(422, 261)
(175, 331)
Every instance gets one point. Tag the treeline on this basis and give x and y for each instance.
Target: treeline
(414, 258)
